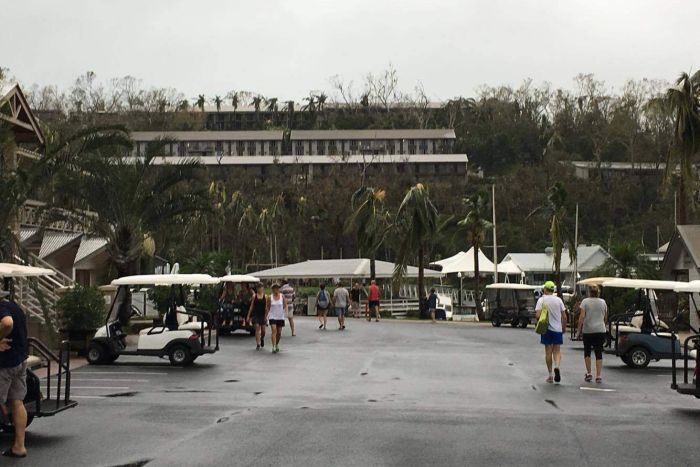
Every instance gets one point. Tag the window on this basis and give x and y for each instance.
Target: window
(353, 145)
(240, 148)
(332, 148)
(320, 147)
(423, 145)
(273, 148)
(251, 148)
(219, 147)
(299, 148)
(411, 146)
(390, 147)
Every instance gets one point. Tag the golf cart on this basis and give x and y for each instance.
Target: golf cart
(639, 336)
(444, 309)
(232, 316)
(183, 335)
(57, 396)
(690, 350)
(512, 304)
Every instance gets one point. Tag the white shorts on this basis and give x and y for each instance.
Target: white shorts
(290, 311)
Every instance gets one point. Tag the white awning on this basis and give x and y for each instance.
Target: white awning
(340, 268)
(18, 270)
(167, 279)
(509, 267)
(240, 279)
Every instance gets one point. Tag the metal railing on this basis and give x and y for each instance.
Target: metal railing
(62, 360)
(695, 338)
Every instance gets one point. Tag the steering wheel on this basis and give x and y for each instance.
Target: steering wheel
(135, 311)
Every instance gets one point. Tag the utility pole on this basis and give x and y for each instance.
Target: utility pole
(495, 242)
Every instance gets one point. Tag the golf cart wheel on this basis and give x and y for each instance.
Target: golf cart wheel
(638, 357)
(514, 323)
(495, 322)
(96, 354)
(524, 322)
(180, 356)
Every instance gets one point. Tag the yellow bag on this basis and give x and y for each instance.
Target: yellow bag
(543, 323)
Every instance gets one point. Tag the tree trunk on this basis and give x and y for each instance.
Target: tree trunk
(477, 282)
(421, 278)
(557, 279)
(682, 199)
(373, 266)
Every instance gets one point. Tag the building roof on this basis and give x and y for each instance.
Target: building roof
(690, 237)
(89, 246)
(265, 135)
(371, 134)
(25, 125)
(54, 241)
(340, 268)
(27, 233)
(544, 262)
(319, 160)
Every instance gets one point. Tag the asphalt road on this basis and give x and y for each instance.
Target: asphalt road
(389, 393)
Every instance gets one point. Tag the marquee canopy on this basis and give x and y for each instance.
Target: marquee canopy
(340, 268)
(464, 262)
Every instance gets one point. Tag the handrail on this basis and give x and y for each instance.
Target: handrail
(63, 366)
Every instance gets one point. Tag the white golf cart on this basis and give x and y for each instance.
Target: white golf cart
(183, 335)
(232, 315)
(57, 396)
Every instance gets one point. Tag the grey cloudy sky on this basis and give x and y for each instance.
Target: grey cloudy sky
(286, 48)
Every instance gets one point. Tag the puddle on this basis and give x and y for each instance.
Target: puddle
(396, 379)
(139, 463)
(372, 400)
(222, 420)
(257, 393)
(125, 394)
(533, 387)
(185, 391)
(552, 403)
(231, 381)
(303, 407)
(364, 373)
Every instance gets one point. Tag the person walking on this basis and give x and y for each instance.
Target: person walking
(288, 291)
(13, 370)
(257, 314)
(432, 304)
(374, 296)
(341, 299)
(592, 320)
(226, 300)
(323, 302)
(355, 294)
(554, 337)
(276, 314)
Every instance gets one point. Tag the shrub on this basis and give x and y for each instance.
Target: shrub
(82, 308)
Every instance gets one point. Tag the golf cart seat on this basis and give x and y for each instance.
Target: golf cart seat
(188, 322)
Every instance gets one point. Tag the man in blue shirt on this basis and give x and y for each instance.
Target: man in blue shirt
(432, 304)
(13, 370)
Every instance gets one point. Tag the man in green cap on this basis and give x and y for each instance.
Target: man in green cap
(554, 337)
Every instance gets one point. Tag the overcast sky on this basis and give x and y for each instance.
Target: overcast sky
(287, 48)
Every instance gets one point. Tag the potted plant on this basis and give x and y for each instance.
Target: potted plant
(81, 311)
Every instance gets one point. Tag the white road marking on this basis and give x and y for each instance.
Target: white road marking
(584, 388)
(78, 372)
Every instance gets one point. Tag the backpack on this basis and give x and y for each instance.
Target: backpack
(543, 323)
(323, 299)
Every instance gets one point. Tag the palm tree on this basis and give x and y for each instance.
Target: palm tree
(627, 260)
(235, 99)
(200, 102)
(684, 102)
(369, 221)
(184, 105)
(554, 210)
(129, 201)
(476, 227)
(417, 223)
(217, 102)
(321, 101)
(257, 102)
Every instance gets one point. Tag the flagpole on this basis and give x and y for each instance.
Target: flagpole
(495, 242)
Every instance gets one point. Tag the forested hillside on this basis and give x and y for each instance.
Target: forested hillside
(519, 139)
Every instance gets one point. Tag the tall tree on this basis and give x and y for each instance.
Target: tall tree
(555, 212)
(369, 222)
(200, 102)
(684, 101)
(127, 201)
(218, 101)
(417, 222)
(476, 226)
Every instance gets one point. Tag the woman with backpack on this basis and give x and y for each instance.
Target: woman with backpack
(323, 303)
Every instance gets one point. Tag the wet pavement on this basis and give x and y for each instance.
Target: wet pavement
(389, 393)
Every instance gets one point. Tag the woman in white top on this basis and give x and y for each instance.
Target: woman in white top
(276, 314)
(592, 326)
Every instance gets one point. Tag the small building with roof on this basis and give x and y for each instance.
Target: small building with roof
(682, 261)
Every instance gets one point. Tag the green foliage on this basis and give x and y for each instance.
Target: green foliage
(475, 226)
(82, 308)
(626, 260)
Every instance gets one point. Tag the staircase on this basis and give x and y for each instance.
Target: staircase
(29, 292)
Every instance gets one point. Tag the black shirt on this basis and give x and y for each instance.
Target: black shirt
(17, 353)
(355, 295)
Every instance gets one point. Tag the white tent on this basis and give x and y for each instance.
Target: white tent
(509, 267)
(464, 262)
(340, 268)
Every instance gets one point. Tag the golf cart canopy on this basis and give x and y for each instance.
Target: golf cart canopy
(512, 286)
(167, 279)
(240, 279)
(688, 287)
(18, 270)
(595, 280)
(641, 284)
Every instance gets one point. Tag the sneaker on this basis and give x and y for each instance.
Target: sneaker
(257, 348)
(262, 343)
(557, 375)
(321, 326)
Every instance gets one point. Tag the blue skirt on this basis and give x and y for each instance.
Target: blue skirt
(552, 338)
